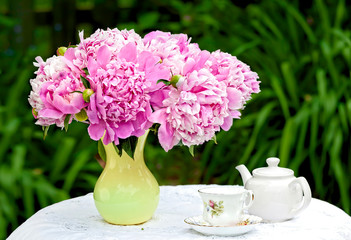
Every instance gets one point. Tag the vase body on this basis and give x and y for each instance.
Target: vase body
(126, 192)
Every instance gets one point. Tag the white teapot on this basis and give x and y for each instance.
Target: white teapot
(279, 195)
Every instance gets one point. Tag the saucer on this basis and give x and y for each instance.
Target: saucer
(248, 223)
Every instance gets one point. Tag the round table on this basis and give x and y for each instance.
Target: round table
(78, 218)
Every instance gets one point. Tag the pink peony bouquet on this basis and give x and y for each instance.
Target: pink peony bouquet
(121, 85)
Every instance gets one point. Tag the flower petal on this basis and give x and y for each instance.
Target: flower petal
(50, 113)
(234, 97)
(166, 137)
(228, 122)
(158, 116)
(124, 130)
(96, 131)
(103, 56)
(128, 52)
(92, 66)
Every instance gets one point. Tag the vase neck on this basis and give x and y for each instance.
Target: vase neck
(113, 158)
(139, 149)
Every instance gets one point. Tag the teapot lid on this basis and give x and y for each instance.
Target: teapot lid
(272, 170)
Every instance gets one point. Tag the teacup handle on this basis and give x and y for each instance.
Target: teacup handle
(248, 196)
(306, 190)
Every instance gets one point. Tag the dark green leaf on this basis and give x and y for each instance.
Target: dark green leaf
(128, 145)
(118, 148)
(85, 82)
(101, 150)
(86, 71)
(166, 82)
(154, 128)
(118, 151)
(66, 122)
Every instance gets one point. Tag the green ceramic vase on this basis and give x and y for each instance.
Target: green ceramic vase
(126, 192)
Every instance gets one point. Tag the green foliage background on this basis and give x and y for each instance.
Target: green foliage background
(300, 49)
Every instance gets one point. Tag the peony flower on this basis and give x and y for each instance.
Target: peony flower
(241, 82)
(120, 106)
(60, 96)
(114, 39)
(172, 49)
(193, 111)
(52, 96)
(134, 82)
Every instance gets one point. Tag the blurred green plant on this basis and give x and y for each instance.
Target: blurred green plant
(35, 173)
(301, 51)
(303, 113)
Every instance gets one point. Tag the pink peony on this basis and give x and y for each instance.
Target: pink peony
(172, 49)
(199, 93)
(52, 96)
(114, 39)
(241, 82)
(193, 111)
(59, 97)
(45, 73)
(120, 105)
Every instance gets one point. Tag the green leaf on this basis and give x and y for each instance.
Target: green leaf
(154, 128)
(214, 139)
(101, 150)
(66, 122)
(277, 87)
(45, 129)
(286, 142)
(85, 82)
(118, 149)
(61, 158)
(128, 145)
(73, 172)
(191, 150)
(86, 71)
(166, 82)
(290, 82)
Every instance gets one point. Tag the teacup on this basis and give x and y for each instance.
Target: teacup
(224, 206)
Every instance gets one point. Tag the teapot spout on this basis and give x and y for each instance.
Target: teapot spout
(244, 172)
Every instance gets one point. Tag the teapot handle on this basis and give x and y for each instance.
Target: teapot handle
(249, 197)
(307, 196)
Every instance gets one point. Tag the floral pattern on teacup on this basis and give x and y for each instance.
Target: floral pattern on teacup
(215, 208)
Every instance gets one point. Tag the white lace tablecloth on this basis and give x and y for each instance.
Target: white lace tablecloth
(78, 218)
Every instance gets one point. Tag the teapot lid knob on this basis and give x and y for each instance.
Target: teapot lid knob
(273, 161)
(272, 170)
